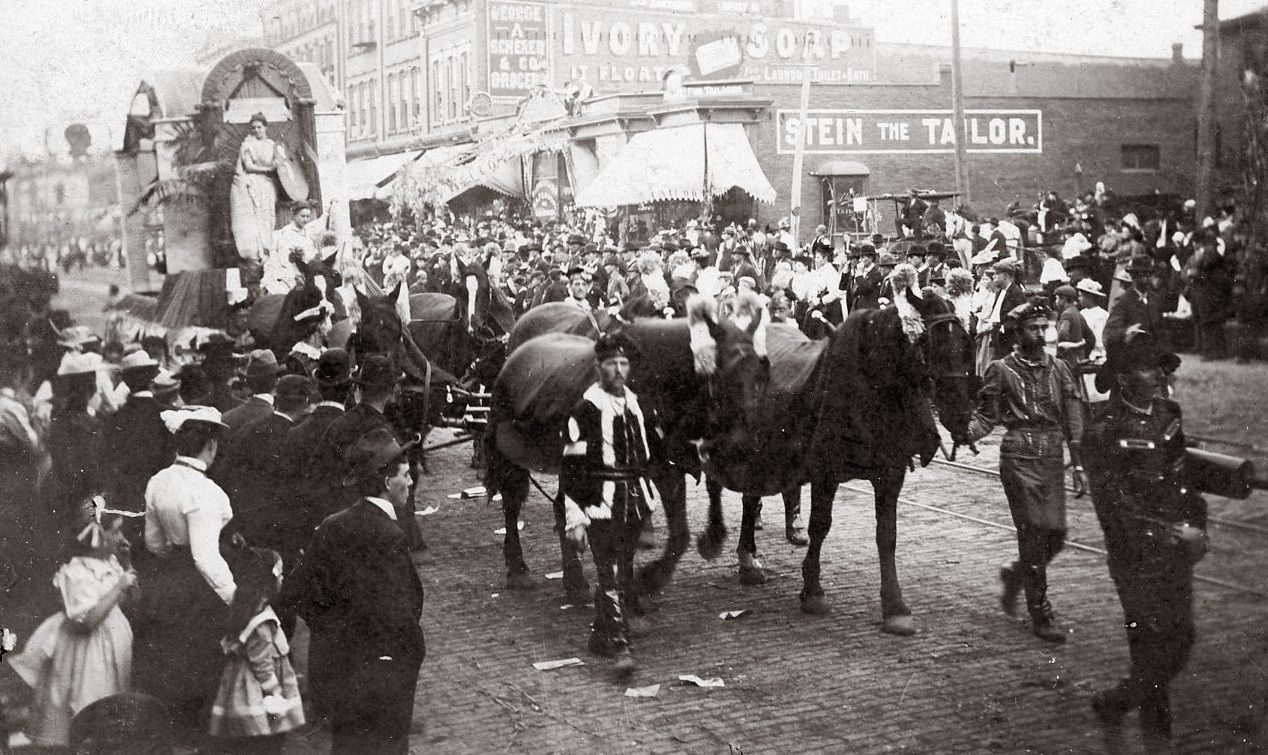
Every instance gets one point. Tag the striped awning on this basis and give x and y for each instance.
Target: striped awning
(693, 163)
(372, 178)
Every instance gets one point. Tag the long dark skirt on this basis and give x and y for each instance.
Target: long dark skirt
(177, 626)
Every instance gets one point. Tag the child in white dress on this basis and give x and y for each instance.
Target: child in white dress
(84, 652)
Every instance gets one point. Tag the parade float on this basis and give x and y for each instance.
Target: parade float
(193, 196)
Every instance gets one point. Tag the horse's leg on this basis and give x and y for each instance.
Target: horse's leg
(672, 485)
(751, 572)
(709, 543)
(514, 489)
(822, 492)
(794, 530)
(576, 588)
(894, 612)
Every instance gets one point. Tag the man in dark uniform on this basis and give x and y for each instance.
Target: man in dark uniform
(607, 495)
(1036, 398)
(1155, 530)
(360, 594)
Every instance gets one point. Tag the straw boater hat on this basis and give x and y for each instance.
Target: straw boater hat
(1087, 285)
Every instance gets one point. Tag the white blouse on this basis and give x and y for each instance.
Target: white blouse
(183, 507)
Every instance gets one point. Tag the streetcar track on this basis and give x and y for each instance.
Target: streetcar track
(1074, 545)
(1229, 523)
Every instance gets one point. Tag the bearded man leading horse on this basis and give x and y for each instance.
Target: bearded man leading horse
(853, 406)
(702, 378)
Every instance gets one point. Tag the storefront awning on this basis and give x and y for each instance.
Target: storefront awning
(691, 163)
(841, 168)
(494, 162)
(372, 178)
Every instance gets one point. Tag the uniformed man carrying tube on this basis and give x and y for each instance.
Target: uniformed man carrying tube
(1144, 492)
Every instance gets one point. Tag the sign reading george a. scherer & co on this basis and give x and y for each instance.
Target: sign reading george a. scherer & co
(637, 41)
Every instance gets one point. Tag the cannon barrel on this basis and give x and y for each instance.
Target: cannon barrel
(1222, 474)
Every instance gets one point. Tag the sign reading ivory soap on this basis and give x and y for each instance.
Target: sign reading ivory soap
(519, 48)
(904, 131)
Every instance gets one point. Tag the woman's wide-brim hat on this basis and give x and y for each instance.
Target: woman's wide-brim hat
(74, 363)
(371, 453)
(76, 335)
(175, 419)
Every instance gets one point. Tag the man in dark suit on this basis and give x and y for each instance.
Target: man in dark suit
(1010, 296)
(360, 595)
(219, 365)
(377, 381)
(1136, 309)
(135, 442)
(262, 372)
(303, 449)
(865, 283)
(935, 263)
(257, 478)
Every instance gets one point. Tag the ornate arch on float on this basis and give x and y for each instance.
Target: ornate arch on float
(257, 75)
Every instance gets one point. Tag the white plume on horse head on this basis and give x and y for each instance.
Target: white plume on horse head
(905, 282)
(750, 314)
(701, 315)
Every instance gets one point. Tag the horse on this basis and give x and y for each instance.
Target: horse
(382, 330)
(852, 406)
(702, 378)
(558, 317)
(271, 319)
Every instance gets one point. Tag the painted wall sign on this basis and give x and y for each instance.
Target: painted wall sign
(519, 47)
(532, 43)
(830, 132)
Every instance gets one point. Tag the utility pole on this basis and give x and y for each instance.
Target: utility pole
(1207, 126)
(957, 106)
(799, 155)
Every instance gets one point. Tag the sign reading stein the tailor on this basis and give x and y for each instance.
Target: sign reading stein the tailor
(904, 131)
(519, 47)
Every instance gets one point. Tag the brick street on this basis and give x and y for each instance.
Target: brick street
(971, 680)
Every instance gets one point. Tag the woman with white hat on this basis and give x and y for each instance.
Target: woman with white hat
(187, 585)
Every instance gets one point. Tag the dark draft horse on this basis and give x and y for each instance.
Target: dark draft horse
(854, 406)
(702, 378)
(464, 332)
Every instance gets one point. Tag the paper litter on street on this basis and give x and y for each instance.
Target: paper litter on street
(555, 575)
(502, 530)
(562, 663)
(567, 606)
(733, 614)
(643, 691)
(427, 511)
(693, 679)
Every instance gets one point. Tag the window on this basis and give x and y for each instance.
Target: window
(466, 79)
(391, 103)
(438, 95)
(451, 81)
(415, 74)
(406, 19)
(365, 107)
(402, 92)
(374, 108)
(389, 24)
(1142, 157)
(353, 120)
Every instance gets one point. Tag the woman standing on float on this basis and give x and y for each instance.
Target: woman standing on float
(253, 194)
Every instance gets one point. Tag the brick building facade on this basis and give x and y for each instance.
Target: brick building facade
(443, 71)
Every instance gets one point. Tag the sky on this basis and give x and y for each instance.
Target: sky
(63, 61)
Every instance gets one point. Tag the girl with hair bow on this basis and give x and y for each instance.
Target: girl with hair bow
(84, 652)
